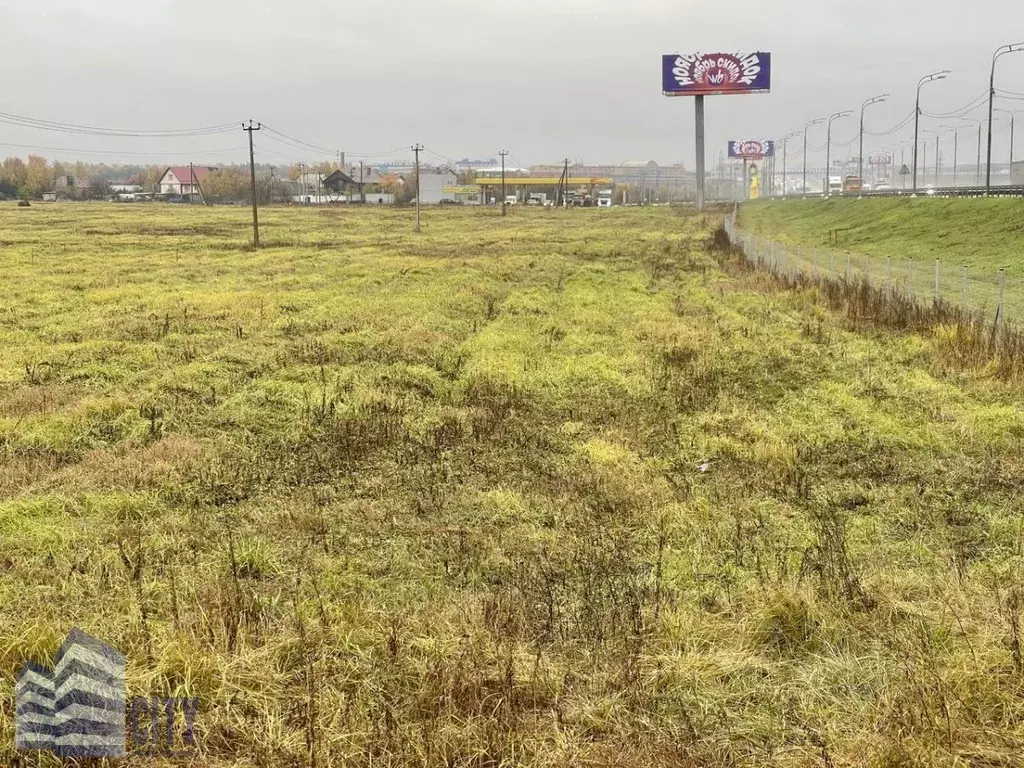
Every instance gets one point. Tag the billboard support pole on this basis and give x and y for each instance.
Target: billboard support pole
(698, 110)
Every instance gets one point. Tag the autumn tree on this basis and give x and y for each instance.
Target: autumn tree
(12, 176)
(227, 184)
(38, 177)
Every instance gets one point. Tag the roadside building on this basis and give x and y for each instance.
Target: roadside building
(67, 186)
(183, 179)
(432, 184)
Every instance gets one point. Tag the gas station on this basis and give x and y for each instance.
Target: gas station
(490, 187)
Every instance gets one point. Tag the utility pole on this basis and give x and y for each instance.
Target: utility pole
(502, 153)
(417, 148)
(565, 189)
(362, 194)
(937, 134)
(252, 171)
(196, 184)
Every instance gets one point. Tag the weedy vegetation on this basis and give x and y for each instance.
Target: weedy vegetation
(560, 488)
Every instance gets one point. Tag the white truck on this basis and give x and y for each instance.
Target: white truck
(604, 198)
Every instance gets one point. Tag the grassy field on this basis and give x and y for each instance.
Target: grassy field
(984, 235)
(565, 488)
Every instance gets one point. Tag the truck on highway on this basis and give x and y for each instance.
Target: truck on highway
(604, 198)
(835, 186)
(852, 185)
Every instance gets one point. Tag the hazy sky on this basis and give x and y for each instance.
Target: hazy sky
(545, 79)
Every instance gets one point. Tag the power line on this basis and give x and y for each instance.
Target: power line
(163, 153)
(91, 130)
(971, 105)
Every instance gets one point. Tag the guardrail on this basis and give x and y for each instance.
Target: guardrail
(1016, 190)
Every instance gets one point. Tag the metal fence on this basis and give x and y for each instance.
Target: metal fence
(995, 295)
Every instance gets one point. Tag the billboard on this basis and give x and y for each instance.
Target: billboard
(703, 74)
(752, 150)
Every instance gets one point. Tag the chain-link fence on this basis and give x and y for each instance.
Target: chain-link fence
(995, 296)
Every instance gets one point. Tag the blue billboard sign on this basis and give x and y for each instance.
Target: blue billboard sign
(706, 74)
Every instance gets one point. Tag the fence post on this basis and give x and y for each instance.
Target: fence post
(910, 276)
(999, 310)
(937, 292)
(963, 289)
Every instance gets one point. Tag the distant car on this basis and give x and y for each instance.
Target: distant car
(882, 187)
(929, 189)
(533, 201)
(511, 200)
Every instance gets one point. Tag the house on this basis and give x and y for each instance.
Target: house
(67, 186)
(338, 182)
(183, 179)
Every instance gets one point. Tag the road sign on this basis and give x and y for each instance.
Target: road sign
(904, 171)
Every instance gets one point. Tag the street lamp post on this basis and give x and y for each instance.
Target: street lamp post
(828, 148)
(785, 144)
(917, 111)
(1013, 119)
(1003, 49)
(812, 122)
(956, 142)
(865, 105)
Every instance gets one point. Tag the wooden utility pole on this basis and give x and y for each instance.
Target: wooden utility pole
(417, 148)
(252, 171)
(503, 153)
(196, 184)
(362, 194)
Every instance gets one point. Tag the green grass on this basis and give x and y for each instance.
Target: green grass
(882, 234)
(380, 498)
(984, 235)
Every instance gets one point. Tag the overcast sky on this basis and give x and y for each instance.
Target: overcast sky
(545, 79)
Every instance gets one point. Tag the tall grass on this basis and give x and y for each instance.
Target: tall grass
(559, 488)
